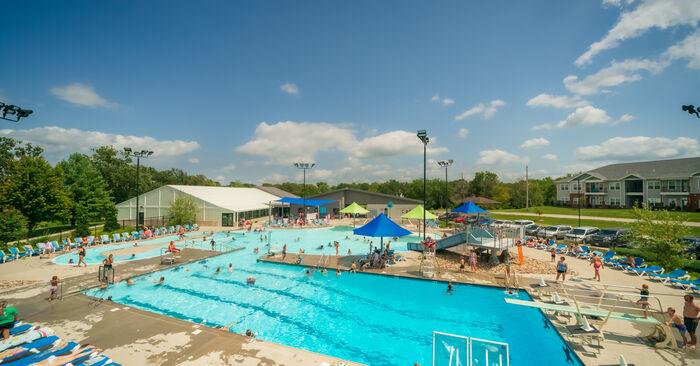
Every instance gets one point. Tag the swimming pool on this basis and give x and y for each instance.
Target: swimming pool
(95, 255)
(373, 319)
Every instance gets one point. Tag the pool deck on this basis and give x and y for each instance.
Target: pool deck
(135, 337)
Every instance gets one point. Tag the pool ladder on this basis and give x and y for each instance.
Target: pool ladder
(323, 260)
(458, 350)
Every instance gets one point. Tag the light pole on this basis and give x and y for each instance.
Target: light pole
(423, 136)
(578, 183)
(304, 167)
(13, 110)
(138, 154)
(446, 164)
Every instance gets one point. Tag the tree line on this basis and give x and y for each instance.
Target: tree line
(83, 188)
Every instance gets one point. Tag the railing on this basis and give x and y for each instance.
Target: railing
(457, 350)
(105, 275)
(674, 190)
(596, 190)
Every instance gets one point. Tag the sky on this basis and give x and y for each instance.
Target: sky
(241, 90)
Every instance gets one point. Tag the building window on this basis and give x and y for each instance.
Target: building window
(575, 200)
(615, 202)
(575, 187)
(671, 185)
(654, 202)
(653, 184)
(614, 186)
(564, 187)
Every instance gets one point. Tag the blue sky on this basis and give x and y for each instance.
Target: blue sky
(241, 90)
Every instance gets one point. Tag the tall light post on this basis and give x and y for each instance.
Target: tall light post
(304, 167)
(578, 183)
(446, 164)
(423, 136)
(138, 155)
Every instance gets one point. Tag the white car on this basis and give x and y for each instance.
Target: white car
(555, 232)
(580, 234)
(501, 224)
(522, 223)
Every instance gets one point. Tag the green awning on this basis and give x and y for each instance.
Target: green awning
(417, 214)
(354, 208)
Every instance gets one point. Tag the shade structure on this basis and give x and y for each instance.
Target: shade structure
(381, 226)
(470, 208)
(354, 209)
(417, 214)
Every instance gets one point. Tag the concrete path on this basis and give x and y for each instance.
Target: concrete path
(599, 218)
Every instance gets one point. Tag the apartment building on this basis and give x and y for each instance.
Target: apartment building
(672, 184)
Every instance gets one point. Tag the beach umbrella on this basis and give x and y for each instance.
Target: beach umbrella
(354, 209)
(469, 208)
(417, 213)
(381, 226)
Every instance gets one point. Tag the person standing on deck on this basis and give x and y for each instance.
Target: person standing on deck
(284, 251)
(8, 317)
(690, 318)
(562, 267)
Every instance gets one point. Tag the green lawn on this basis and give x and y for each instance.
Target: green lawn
(601, 212)
(695, 231)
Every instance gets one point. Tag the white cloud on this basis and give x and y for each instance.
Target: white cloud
(535, 143)
(639, 148)
(463, 132)
(446, 101)
(82, 95)
(649, 14)
(288, 142)
(550, 157)
(290, 88)
(193, 161)
(485, 110)
(493, 157)
(617, 3)
(556, 101)
(544, 126)
(619, 72)
(589, 116)
(59, 142)
(274, 178)
(317, 174)
(689, 49)
(393, 143)
(625, 118)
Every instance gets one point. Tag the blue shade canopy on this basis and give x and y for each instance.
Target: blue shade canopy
(469, 208)
(381, 226)
(301, 201)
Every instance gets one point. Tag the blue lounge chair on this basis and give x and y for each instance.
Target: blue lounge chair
(78, 240)
(584, 252)
(7, 257)
(676, 274)
(116, 238)
(685, 284)
(40, 356)
(126, 236)
(646, 270)
(560, 249)
(136, 235)
(17, 253)
(638, 263)
(91, 240)
(32, 252)
(55, 246)
(104, 238)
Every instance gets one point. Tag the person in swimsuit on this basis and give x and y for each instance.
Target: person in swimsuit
(461, 265)
(230, 268)
(172, 248)
(562, 267)
(553, 255)
(284, 251)
(450, 288)
(472, 260)
(676, 322)
(81, 256)
(690, 318)
(597, 264)
(644, 298)
(53, 289)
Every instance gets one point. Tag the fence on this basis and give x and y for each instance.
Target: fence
(456, 350)
(149, 221)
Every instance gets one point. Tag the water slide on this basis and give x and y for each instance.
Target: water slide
(477, 237)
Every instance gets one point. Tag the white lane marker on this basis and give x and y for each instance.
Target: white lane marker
(197, 331)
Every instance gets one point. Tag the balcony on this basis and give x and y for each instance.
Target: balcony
(596, 190)
(674, 190)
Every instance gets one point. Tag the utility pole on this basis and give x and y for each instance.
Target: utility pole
(527, 189)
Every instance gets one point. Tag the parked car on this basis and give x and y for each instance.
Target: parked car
(522, 223)
(449, 216)
(554, 232)
(611, 237)
(532, 229)
(501, 224)
(692, 246)
(580, 234)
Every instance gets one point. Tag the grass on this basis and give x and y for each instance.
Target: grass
(694, 231)
(625, 213)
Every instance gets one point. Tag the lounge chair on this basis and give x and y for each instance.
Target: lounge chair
(646, 270)
(136, 235)
(584, 252)
(32, 252)
(14, 251)
(676, 274)
(78, 240)
(56, 247)
(91, 240)
(685, 284)
(116, 238)
(638, 263)
(104, 238)
(560, 249)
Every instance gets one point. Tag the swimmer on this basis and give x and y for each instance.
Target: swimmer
(249, 333)
(450, 288)
(136, 244)
(230, 268)
(250, 280)
(129, 282)
(133, 255)
(307, 272)
(218, 270)
(160, 281)
(324, 271)
(337, 272)
(349, 252)
(256, 250)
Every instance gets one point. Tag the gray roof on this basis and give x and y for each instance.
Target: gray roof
(367, 192)
(657, 169)
(276, 191)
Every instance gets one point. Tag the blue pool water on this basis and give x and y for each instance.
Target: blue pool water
(373, 319)
(95, 255)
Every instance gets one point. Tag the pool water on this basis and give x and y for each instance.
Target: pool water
(372, 319)
(95, 255)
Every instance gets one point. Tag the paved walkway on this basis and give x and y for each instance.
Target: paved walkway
(599, 218)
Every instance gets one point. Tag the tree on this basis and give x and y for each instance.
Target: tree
(182, 211)
(658, 234)
(117, 171)
(35, 189)
(82, 221)
(13, 225)
(483, 184)
(86, 188)
(111, 223)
